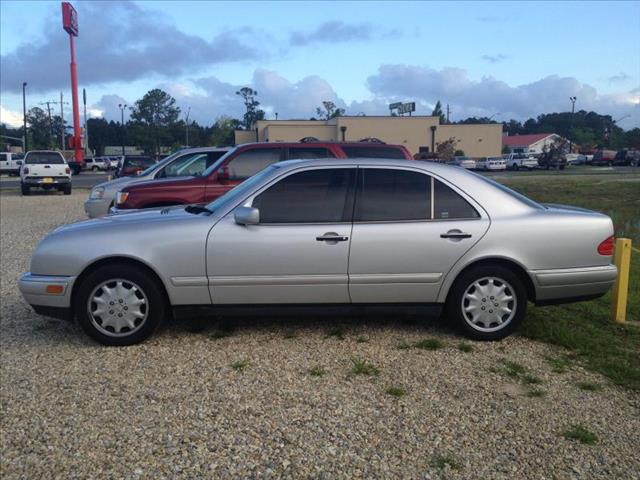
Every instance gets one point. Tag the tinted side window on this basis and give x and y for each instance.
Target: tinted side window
(355, 151)
(309, 153)
(213, 156)
(3, 157)
(308, 197)
(250, 162)
(392, 195)
(448, 204)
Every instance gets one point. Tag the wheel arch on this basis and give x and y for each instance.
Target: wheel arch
(508, 263)
(92, 267)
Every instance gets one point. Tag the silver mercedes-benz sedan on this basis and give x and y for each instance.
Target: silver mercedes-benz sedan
(347, 234)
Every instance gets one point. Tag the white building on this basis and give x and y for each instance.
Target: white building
(534, 143)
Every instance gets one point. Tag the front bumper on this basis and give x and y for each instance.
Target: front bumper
(570, 284)
(96, 207)
(34, 290)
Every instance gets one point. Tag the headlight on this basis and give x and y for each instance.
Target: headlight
(97, 193)
(121, 197)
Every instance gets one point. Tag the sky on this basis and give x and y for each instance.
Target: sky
(501, 59)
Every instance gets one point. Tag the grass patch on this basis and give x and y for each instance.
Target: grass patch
(465, 347)
(240, 365)
(362, 367)
(589, 386)
(519, 373)
(558, 364)
(403, 346)
(530, 379)
(429, 344)
(362, 339)
(396, 392)
(441, 462)
(585, 328)
(536, 393)
(580, 433)
(337, 332)
(317, 371)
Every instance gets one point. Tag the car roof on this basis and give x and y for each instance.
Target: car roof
(319, 143)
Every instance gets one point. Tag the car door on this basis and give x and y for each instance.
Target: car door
(409, 230)
(241, 166)
(299, 250)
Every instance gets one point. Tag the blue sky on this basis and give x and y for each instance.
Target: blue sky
(513, 59)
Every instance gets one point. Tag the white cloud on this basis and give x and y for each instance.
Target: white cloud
(10, 117)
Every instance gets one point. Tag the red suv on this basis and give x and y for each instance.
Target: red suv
(241, 163)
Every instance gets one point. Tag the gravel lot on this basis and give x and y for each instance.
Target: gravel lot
(176, 406)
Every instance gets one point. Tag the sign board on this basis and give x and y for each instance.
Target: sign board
(69, 19)
(393, 106)
(407, 107)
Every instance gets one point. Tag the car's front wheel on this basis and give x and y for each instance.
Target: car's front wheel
(487, 302)
(120, 304)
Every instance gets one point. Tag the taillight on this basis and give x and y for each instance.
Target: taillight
(67, 170)
(606, 246)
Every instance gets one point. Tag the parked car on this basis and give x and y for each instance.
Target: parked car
(491, 163)
(97, 163)
(604, 157)
(10, 163)
(517, 161)
(627, 157)
(132, 164)
(552, 159)
(241, 163)
(192, 161)
(46, 169)
(464, 162)
(575, 159)
(360, 233)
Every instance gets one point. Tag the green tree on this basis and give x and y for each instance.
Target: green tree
(156, 111)
(446, 150)
(41, 133)
(437, 112)
(223, 131)
(252, 113)
(329, 110)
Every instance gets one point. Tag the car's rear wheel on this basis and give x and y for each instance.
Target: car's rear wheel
(120, 305)
(25, 189)
(94, 168)
(487, 302)
(67, 190)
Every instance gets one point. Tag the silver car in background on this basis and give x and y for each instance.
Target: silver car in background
(187, 162)
(346, 234)
(464, 162)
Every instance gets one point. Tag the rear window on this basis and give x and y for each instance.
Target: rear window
(361, 151)
(41, 158)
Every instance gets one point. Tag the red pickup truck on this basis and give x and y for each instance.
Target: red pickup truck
(241, 163)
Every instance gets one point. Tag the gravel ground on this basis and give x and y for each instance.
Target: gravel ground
(176, 407)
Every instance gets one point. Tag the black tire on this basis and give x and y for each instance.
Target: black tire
(155, 306)
(67, 190)
(462, 321)
(25, 189)
(514, 167)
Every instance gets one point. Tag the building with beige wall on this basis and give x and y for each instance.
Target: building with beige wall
(417, 133)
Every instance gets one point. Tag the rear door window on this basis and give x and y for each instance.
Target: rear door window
(363, 151)
(307, 153)
(250, 162)
(449, 205)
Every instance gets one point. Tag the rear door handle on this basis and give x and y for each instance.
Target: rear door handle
(332, 237)
(455, 234)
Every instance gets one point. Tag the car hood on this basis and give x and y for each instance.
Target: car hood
(164, 182)
(121, 182)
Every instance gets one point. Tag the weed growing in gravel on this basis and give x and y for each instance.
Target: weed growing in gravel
(589, 386)
(240, 365)
(403, 346)
(429, 344)
(558, 364)
(580, 433)
(513, 369)
(396, 392)
(465, 347)
(441, 461)
(362, 339)
(317, 371)
(337, 332)
(531, 379)
(362, 367)
(536, 392)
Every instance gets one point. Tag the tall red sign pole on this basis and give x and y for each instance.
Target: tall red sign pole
(70, 25)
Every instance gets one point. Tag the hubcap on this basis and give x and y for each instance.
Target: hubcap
(118, 307)
(489, 304)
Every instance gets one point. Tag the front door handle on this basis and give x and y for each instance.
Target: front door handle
(332, 237)
(455, 234)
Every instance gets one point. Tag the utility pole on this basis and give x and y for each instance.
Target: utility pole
(48, 104)
(573, 107)
(24, 117)
(86, 129)
(62, 121)
(448, 111)
(122, 106)
(187, 125)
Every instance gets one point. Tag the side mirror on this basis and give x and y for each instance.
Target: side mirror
(247, 216)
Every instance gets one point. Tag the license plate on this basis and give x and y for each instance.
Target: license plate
(47, 180)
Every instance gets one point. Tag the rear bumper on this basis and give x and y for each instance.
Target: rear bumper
(33, 289)
(573, 284)
(40, 181)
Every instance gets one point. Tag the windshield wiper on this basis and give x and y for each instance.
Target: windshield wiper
(195, 209)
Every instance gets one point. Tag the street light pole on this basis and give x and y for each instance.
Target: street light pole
(86, 128)
(24, 117)
(187, 125)
(122, 106)
(573, 107)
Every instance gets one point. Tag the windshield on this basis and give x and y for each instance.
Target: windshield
(241, 190)
(40, 158)
(162, 163)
